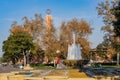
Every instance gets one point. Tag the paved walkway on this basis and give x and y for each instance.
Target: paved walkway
(8, 68)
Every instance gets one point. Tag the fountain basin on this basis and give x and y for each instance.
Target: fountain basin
(75, 63)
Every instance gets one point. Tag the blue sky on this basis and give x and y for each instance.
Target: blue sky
(62, 10)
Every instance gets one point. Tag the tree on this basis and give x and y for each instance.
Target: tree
(17, 45)
(45, 39)
(106, 50)
(49, 39)
(110, 11)
(81, 28)
(38, 56)
(35, 27)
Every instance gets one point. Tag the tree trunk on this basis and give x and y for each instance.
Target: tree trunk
(118, 58)
(24, 58)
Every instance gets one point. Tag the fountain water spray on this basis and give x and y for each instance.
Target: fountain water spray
(74, 52)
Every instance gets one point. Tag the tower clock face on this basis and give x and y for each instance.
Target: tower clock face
(48, 11)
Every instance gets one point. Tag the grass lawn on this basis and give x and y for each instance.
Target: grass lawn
(73, 73)
(77, 74)
(110, 66)
(57, 73)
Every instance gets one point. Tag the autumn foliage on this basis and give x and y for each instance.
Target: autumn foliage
(48, 42)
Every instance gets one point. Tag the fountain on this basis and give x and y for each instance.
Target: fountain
(74, 52)
(74, 58)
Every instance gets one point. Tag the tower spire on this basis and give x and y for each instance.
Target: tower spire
(48, 11)
(48, 20)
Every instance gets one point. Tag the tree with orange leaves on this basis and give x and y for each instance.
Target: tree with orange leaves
(82, 30)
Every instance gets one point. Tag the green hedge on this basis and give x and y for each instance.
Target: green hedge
(108, 63)
(42, 66)
(75, 63)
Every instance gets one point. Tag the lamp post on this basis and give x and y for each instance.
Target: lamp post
(58, 58)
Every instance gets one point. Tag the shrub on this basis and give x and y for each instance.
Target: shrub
(74, 63)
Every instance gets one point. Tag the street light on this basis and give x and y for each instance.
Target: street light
(58, 58)
(58, 51)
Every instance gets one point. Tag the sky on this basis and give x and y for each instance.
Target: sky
(62, 10)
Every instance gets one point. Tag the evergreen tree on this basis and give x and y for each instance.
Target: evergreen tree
(17, 45)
